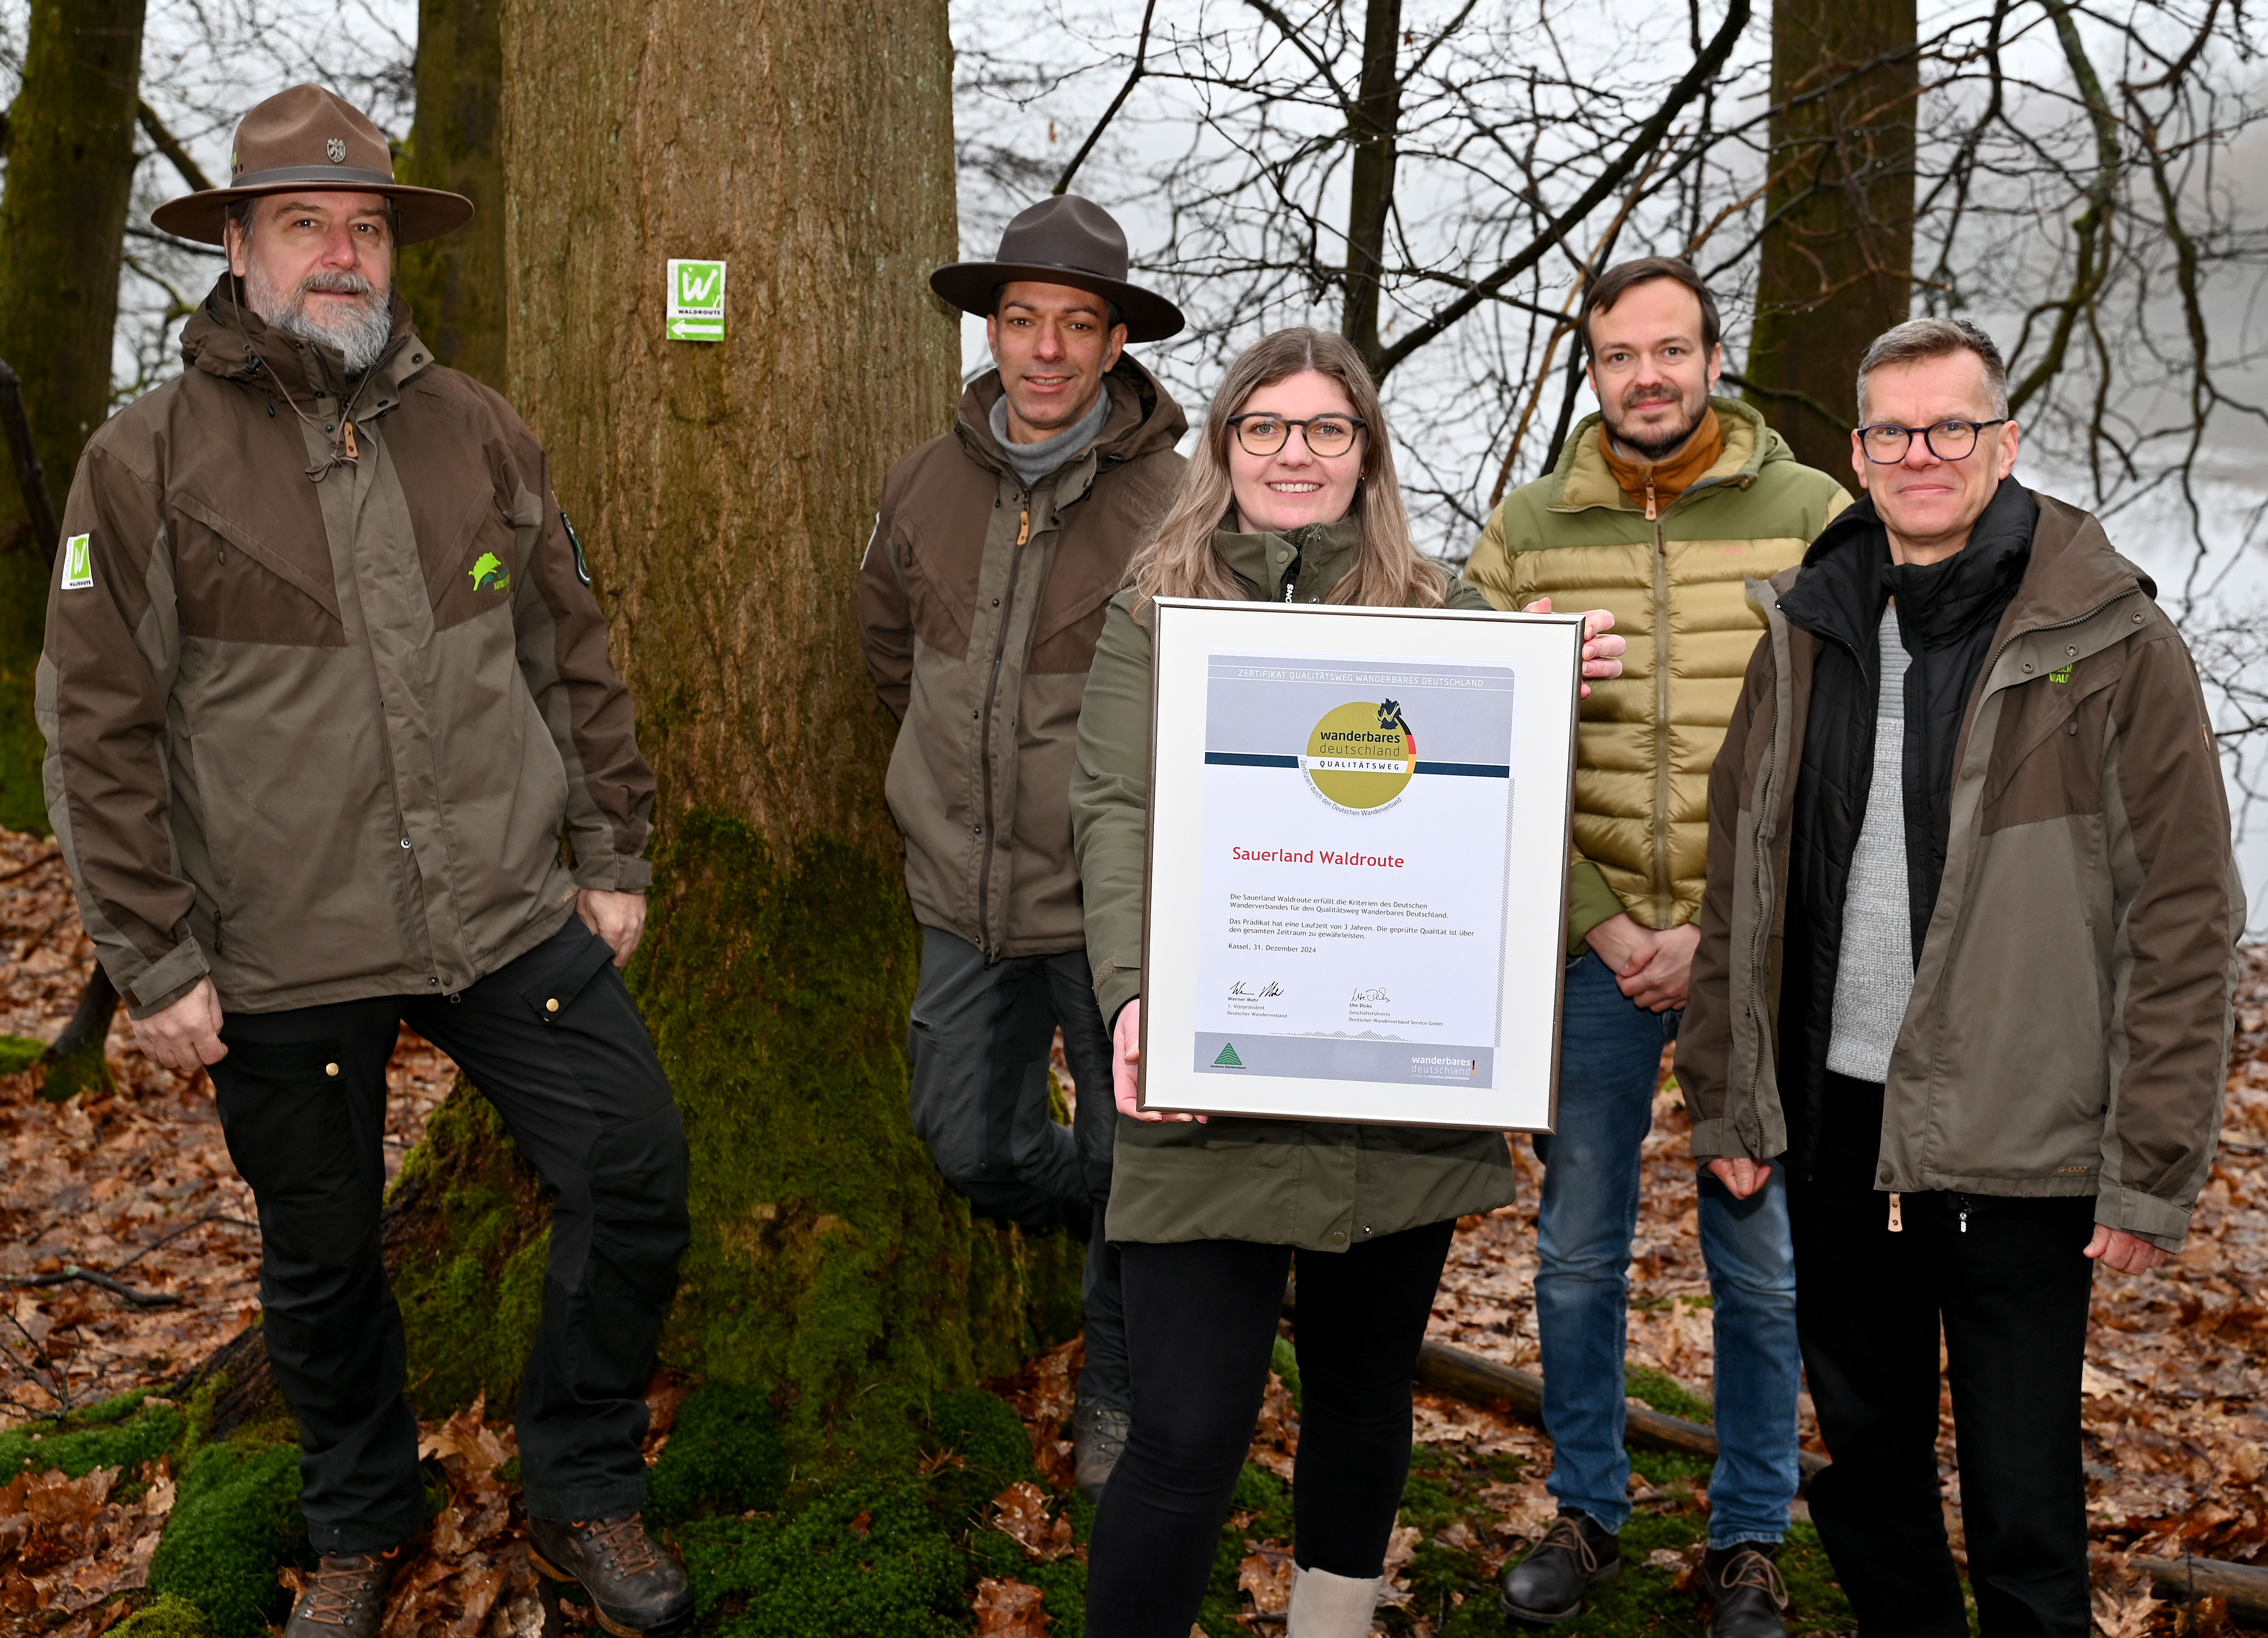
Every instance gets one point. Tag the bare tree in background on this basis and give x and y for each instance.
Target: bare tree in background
(203, 63)
(1435, 178)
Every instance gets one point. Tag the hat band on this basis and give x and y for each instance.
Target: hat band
(1015, 264)
(334, 178)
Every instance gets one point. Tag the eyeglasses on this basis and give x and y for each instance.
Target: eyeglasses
(1886, 445)
(1326, 435)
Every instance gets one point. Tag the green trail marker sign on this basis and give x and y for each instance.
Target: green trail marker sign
(697, 300)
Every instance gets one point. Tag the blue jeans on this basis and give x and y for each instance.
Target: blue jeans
(1609, 1062)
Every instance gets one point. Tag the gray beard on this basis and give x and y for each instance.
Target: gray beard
(360, 335)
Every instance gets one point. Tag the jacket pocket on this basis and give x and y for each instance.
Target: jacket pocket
(2047, 761)
(551, 991)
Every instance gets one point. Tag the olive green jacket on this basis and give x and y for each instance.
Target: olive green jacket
(323, 741)
(1675, 583)
(1319, 1186)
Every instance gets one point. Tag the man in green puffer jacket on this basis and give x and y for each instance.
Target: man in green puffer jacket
(1659, 509)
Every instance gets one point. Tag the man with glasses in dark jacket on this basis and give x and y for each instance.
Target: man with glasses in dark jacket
(1967, 970)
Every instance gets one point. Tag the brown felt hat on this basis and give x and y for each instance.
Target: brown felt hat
(1063, 240)
(307, 137)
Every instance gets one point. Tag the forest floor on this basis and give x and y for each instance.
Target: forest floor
(129, 1253)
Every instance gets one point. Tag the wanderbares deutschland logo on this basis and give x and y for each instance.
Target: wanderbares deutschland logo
(490, 575)
(1360, 757)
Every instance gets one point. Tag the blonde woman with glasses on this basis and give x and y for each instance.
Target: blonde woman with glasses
(1290, 498)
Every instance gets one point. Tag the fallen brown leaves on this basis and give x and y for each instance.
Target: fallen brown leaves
(472, 1578)
(1043, 1394)
(1009, 1609)
(134, 1187)
(1021, 1514)
(2177, 1361)
(69, 1546)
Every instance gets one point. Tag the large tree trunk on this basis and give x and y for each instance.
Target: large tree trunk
(455, 284)
(63, 220)
(1836, 264)
(725, 492)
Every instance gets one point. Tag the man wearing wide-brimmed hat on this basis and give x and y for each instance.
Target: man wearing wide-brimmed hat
(324, 687)
(997, 550)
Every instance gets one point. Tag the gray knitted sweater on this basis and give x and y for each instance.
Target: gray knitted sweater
(1874, 976)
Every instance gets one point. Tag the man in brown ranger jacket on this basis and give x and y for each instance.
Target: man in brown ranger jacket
(1967, 968)
(324, 687)
(997, 550)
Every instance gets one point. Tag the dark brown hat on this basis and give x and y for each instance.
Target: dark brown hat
(1062, 240)
(309, 137)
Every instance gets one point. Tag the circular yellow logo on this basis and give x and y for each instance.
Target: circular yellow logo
(1361, 755)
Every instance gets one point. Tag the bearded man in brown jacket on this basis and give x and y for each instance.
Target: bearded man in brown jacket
(1967, 970)
(995, 555)
(324, 687)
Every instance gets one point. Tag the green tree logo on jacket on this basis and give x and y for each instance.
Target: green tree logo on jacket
(490, 574)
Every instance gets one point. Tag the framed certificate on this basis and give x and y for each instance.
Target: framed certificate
(1356, 889)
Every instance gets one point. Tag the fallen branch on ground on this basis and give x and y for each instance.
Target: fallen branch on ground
(2180, 1580)
(1454, 1371)
(70, 1272)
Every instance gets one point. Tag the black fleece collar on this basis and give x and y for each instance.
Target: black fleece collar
(1848, 575)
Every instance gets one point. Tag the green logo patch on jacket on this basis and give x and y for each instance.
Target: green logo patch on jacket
(78, 563)
(2062, 674)
(490, 575)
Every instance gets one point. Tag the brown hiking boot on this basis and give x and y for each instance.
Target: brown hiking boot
(639, 1589)
(345, 1596)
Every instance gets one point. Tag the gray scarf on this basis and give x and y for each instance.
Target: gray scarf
(1032, 462)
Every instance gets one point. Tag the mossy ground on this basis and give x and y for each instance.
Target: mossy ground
(123, 1433)
(829, 1266)
(897, 1552)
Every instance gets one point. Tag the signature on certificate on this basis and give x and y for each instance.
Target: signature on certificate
(1237, 990)
(1372, 996)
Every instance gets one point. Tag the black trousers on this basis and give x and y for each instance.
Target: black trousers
(2006, 1280)
(979, 1042)
(1200, 1322)
(302, 1097)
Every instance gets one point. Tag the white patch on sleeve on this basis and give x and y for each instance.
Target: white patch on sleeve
(78, 562)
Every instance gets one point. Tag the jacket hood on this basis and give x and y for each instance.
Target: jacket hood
(1144, 418)
(225, 338)
(1582, 478)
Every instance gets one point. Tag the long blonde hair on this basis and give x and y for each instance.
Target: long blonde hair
(1179, 559)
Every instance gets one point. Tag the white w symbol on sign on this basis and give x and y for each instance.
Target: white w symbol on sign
(696, 290)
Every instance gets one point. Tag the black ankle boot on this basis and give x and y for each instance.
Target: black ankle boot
(1744, 1581)
(1548, 1585)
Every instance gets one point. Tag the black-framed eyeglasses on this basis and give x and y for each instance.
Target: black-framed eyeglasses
(1326, 435)
(1886, 445)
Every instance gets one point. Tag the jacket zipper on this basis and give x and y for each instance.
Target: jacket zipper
(984, 739)
(1665, 900)
(1768, 793)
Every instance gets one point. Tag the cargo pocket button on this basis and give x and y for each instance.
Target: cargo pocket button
(551, 1005)
(331, 1069)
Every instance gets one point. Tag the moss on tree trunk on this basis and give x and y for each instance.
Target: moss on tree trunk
(1837, 261)
(63, 219)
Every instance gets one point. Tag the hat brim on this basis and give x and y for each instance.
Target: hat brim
(969, 285)
(420, 213)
